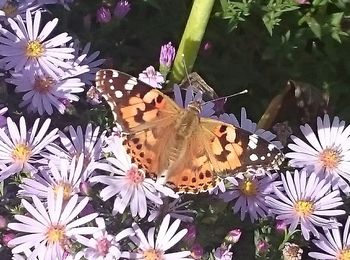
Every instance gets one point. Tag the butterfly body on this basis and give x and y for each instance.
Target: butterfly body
(176, 144)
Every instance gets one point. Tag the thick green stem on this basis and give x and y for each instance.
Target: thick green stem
(191, 38)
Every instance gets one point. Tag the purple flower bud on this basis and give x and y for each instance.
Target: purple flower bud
(303, 2)
(262, 246)
(223, 253)
(7, 237)
(191, 233)
(103, 15)
(233, 236)
(3, 222)
(281, 226)
(167, 55)
(122, 8)
(197, 251)
(85, 188)
(3, 118)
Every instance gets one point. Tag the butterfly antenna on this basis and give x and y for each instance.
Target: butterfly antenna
(226, 97)
(186, 71)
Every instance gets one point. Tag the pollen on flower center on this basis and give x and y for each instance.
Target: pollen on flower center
(344, 255)
(135, 175)
(21, 153)
(103, 246)
(330, 158)
(153, 254)
(55, 234)
(43, 84)
(248, 188)
(34, 49)
(304, 208)
(66, 187)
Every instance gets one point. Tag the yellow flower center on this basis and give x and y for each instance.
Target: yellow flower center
(248, 187)
(10, 9)
(55, 234)
(43, 84)
(153, 254)
(21, 153)
(66, 187)
(34, 49)
(330, 158)
(344, 254)
(304, 208)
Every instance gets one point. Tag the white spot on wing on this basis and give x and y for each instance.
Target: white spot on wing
(112, 87)
(253, 157)
(110, 81)
(115, 73)
(118, 94)
(270, 147)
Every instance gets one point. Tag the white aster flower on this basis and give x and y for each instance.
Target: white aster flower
(334, 245)
(104, 246)
(68, 176)
(327, 154)
(48, 228)
(249, 194)
(19, 148)
(128, 183)
(88, 143)
(250, 126)
(207, 110)
(12, 8)
(43, 93)
(151, 248)
(152, 77)
(307, 201)
(27, 48)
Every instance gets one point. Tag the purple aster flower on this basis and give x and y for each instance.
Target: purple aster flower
(103, 15)
(249, 194)
(152, 77)
(327, 154)
(26, 46)
(207, 110)
(306, 201)
(127, 183)
(333, 244)
(167, 56)
(121, 9)
(10, 8)
(223, 253)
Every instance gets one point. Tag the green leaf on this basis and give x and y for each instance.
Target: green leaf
(314, 26)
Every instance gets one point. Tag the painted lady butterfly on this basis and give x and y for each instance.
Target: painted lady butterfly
(188, 151)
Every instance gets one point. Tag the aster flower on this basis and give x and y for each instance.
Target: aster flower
(249, 194)
(103, 246)
(19, 148)
(307, 201)
(121, 9)
(250, 126)
(69, 176)
(89, 144)
(128, 183)
(207, 110)
(48, 229)
(83, 58)
(333, 244)
(223, 253)
(2, 117)
(151, 248)
(152, 77)
(327, 154)
(43, 93)
(176, 209)
(27, 48)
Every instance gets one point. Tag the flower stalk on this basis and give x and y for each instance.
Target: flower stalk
(191, 39)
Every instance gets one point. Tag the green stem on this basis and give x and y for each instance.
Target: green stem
(191, 39)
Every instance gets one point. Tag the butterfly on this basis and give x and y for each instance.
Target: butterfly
(188, 152)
